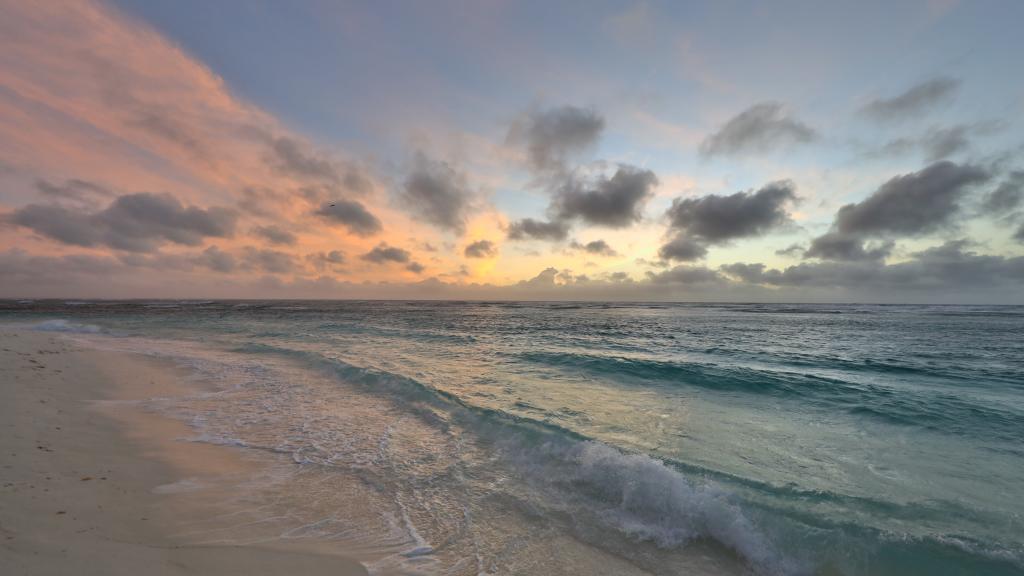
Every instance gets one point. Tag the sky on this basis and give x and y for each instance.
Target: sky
(698, 151)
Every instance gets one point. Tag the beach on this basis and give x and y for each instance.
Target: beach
(85, 472)
(421, 438)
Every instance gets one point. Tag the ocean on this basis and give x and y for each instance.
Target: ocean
(543, 438)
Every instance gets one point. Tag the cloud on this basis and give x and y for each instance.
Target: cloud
(272, 261)
(545, 278)
(1019, 234)
(911, 204)
(352, 215)
(791, 250)
(158, 122)
(948, 268)
(836, 246)
(275, 235)
(750, 273)
(715, 219)
(937, 143)
(554, 135)
(133, 222)
(249, 259)
(614, 202)
(18, 267)
(944, 142)
(326, 260)
(915, 101)
(436, 193)
(216, 259)
(696, 223)
(760, 128)
(528, 228)
(1007, 197)
(293, 157)
(684, 274)
(682, 249)
(383, 254)
(481, 249)
(947, 273)
(906, 205)
(597, 247)
(74, 189)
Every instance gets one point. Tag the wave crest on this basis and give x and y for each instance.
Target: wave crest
(65, 326)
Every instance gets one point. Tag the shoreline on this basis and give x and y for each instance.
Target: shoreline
(91, 483)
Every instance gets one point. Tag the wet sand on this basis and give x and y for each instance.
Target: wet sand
(88, 479)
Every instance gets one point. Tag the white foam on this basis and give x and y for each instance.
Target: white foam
(647, 500)
(65, 326)
(181, 486)
(206, 438)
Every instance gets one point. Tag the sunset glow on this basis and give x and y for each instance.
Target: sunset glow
(141, 156)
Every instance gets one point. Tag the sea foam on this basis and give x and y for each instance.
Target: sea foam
(65, 326)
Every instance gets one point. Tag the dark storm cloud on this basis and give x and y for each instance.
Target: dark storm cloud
(352, 215)
(528, 228)
(438, 194)
(275, 235)
(682, 249)
(134, 222)
(481, 249)
(554, 135)
(713, 219)
(615, 202)
(382, 254)
(760, 128)
(914, 101)
(597, 247)
(911, 204)
(1007, 197)
(836, 246)
(1019, 234)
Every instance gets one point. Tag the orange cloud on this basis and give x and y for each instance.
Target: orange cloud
(91, 95)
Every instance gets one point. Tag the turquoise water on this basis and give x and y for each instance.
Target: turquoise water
(784, 439)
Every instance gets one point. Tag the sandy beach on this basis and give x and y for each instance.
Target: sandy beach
(86, 477)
